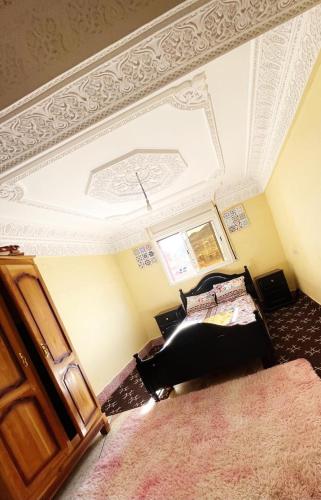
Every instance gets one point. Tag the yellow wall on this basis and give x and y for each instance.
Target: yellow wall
(107, 303)
(258, 246)
(97, 311)
(294, 191)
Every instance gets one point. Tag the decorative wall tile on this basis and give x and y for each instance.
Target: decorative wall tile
(235, 218)
(145, 255)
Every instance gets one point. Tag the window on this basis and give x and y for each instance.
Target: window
(193, 245)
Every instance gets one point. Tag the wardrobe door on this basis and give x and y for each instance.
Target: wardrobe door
(45, 327)
(32, 441)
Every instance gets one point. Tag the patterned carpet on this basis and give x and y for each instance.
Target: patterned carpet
(295, 332)
(130, 394)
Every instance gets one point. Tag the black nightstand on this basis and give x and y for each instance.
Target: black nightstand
(168, 320)
(273, 290)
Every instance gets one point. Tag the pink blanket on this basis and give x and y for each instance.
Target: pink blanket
(253, 438)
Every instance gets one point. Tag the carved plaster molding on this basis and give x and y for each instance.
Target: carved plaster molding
(283, 62)
(11, 192)
(158, 59)
(191, 92)
(234, 193)
(36, 239)
(133, 232)
(97, 59)
(188, 96)
(48, 240)
(117, 182)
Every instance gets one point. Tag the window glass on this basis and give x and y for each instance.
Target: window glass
(176, 256)
(192, 246)
(205, 245)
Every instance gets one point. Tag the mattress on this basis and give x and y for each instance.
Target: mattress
(239, 311)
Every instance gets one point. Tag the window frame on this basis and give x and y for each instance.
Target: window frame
(187, 222)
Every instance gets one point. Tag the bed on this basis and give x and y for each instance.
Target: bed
(199, 346)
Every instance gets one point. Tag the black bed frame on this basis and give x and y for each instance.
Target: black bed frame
(201, 348)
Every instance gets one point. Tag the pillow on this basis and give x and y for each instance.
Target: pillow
(230, 290)
(201, 301)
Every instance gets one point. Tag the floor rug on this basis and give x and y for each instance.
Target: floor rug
(296, 331)
(253, 438)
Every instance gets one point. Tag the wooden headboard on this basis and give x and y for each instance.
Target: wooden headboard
(206, 284)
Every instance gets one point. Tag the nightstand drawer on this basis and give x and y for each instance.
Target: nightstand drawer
(273, 290)
(168, 320)
(167, 330)
(168, 317)
(270, 282)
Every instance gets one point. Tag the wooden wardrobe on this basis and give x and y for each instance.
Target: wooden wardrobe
(48, 411)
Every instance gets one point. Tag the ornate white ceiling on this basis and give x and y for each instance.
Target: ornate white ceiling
(140, 66)
(67, 165)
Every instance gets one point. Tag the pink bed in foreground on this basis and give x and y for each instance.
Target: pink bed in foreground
(257, 437)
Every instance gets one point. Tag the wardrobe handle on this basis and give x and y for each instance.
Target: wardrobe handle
(45, 350)
(23, 360)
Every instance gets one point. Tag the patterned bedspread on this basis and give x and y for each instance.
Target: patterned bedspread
(241, 312)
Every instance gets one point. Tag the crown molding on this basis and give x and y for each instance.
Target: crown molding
(189, 95)
(97, 59)
(144, 67)
(48, 240)
(133, 232)
(40, 239)
(235, 193)
(283, 60)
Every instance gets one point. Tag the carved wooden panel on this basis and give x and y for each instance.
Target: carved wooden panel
(80, 393)
(54, 340)
(11, 375)
(27, 438)
(45, 327)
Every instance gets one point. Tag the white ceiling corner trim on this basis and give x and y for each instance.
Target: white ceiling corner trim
(284, 58)
(39, 239)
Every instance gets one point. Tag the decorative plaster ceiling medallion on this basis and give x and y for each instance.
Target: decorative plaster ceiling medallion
(146, 66)
(116, 181)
